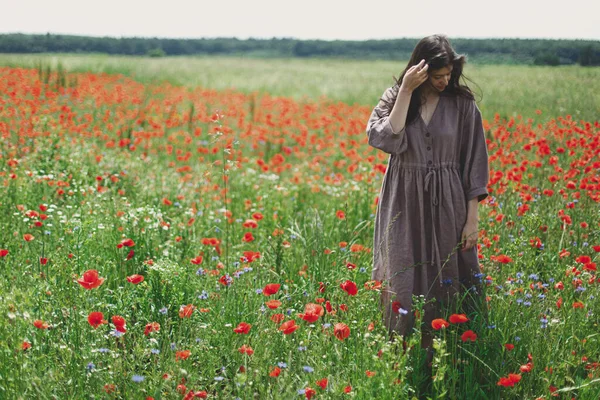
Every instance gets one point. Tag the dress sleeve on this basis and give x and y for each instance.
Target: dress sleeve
(379, 130)
(474, 155)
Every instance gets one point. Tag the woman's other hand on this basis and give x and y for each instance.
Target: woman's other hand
(414, 76)
(469, 235)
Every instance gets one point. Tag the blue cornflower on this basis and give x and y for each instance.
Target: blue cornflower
(219, 378)
(173, 346)
(200, 271)
(163, 310)
(326, 325)
(137, 378)
(541, 296)
(281, 364)
(258, 291)
(301, 348)
(402, 311)
(103, 350)
(362, 270)
(519, 301)
(90, 366)
(203, 295)
(155, 351)
(307, 368)
(533, 277)
(527, 303)
(580, 289)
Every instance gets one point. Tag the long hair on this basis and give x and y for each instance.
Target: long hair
(438, 53)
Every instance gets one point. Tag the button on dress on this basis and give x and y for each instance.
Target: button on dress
(433, 171)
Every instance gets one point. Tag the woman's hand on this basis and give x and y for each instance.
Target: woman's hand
(414, 76)
(469, 235)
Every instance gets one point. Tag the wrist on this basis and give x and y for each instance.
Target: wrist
(405, 90)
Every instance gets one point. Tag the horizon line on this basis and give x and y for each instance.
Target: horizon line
(290, 37)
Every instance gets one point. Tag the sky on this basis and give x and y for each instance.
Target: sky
(305, 19)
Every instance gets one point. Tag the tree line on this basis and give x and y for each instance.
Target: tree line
(492, 51)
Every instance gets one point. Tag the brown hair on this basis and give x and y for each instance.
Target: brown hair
(438, 53)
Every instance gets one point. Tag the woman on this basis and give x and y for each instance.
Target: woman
(426, 223)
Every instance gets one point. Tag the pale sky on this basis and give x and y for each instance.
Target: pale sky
(306, 19)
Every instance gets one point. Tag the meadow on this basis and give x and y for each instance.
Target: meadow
(166, 236)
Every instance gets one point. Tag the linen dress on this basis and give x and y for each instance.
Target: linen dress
(433, 171)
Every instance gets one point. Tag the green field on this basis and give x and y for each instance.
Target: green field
(168, 242)
(507, 90)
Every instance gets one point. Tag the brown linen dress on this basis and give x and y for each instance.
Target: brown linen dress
(433, 170)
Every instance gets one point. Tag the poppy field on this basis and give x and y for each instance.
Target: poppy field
(168, 242)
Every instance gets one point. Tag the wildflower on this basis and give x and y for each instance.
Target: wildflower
(341, 331)
(182, 355)
(288, 327)
(349, 287)
(96, 318)
(468, 335)
(458, 318)
(242, 328)
(137, 378)
(40, 324)
(271, 288)
(186, 311)
(119, 323)
(135, 279)
(439, 323)
(90, 279)
(510, 380)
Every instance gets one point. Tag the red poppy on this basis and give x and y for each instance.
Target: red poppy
(151, 327)
(246, 350)
(242, 328)
(96, 318)
(526, 367)
(349, 287)
(275, 372)
(439, 323)
(25, 345)
(126, 243)
(322, 383)
(341, 331)
(509, 381)
(197, 260)
(509, 346)
(38, 323)
(90, 279)
(3, 252)
(135, 279)
(277, 318)
(271, 288)
(458, 318)
(288, 327)
(468, 335)
(119, 323)
(273, 304)
(312, 312)
(186, 311)
(28, 237)
(309, 392)
(182, 355)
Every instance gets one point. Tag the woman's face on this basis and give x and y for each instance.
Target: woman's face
(439, 78)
